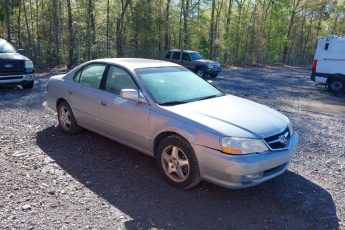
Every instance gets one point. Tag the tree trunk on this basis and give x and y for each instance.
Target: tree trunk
(108, 22)
(8, 20)
(166, 34)
(27, 25)
(186, 39)
(19, 27)
(120, 27)
(334, 29)
(295, 4)
(89, 30)
(56, 32)
(212, 30)
(180, 25)
(227, 30)
(71, 45)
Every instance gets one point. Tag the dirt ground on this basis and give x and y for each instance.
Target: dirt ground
(50, 180)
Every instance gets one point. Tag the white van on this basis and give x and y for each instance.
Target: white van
(329, 63)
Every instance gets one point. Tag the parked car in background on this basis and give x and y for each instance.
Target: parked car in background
(193, 130)
(15, 69)
(329, 63)
(194, 61)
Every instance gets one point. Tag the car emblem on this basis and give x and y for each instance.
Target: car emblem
(8, 66)
(283, 138)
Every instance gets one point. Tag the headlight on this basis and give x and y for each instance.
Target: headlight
(210, 65)
(29, 64)
(235, 145)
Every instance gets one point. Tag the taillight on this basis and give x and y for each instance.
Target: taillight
(313, 69)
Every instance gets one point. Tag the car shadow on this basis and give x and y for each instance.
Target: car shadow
(129, 181)
(17, 97)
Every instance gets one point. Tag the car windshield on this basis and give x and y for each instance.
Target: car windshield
(6, 47)
(196, 56)
(176, 85)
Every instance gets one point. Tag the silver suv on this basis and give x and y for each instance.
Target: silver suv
(194, 61)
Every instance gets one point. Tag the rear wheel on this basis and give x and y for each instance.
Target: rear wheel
(177, 162)
(66, 119)
(336, 85)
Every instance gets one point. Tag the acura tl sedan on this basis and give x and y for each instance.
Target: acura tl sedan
(192, 129)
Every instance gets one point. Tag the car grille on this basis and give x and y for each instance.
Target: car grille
(11, 78)
(279, 141)
(12, 66)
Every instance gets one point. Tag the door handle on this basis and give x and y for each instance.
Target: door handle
(103, 103)
(70, 92)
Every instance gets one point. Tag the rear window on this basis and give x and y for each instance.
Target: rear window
(168, 54)
(176, 55)
(90, 75)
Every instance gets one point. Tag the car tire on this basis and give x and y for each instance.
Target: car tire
(66, 119)
(213, 75)
(201, 72)
(177, 163)
(336, 85)
(28, 85)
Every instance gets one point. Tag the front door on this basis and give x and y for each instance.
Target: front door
(186, 61)
(124, 120)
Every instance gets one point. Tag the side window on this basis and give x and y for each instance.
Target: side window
(176, 55)
(76, 77)
(92, 74)
(118, 79)
(168, 54)
(185, 57)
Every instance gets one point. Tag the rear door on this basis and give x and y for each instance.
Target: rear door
(176, 55)
(84, 94)
(124, 120)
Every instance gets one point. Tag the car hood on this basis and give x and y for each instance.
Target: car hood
(233, 116)
(206, 61)
(12, 56)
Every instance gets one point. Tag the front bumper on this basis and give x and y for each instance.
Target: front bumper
(21, 79)
(233, 171)
(212, 71)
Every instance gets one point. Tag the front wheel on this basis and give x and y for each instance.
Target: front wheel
(28, 85)
(336, 85)
(66, 119)
(177, 162)
(201, 72)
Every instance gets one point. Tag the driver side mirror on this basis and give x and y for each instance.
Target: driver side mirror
(132, 94)
(21, 51)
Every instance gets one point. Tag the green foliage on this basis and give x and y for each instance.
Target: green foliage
(258, 31)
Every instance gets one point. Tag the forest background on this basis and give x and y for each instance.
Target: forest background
(55, 32)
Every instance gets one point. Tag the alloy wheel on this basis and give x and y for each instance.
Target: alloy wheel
(175, 163)
(65, 118)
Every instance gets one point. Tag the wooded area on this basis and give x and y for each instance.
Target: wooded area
(231, 31)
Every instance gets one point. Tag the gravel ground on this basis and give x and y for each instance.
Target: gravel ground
(50, 180)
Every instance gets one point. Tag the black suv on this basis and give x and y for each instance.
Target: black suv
(194, 61)
(15, 69)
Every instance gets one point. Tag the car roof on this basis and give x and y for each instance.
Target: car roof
(136, 63)
(187, 51)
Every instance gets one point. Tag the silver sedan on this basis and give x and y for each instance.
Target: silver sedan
(192, 129)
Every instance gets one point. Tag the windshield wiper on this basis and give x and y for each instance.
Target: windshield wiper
(173, 102)
(209, 97)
